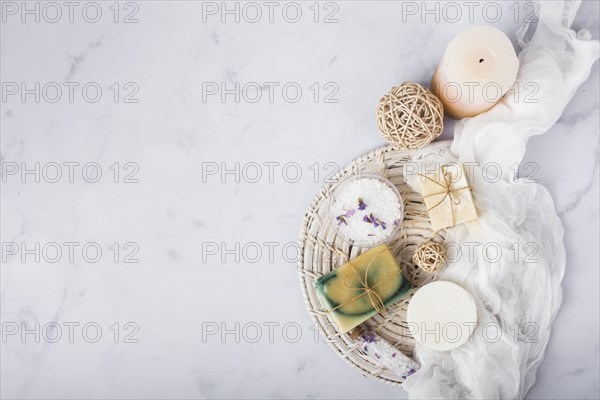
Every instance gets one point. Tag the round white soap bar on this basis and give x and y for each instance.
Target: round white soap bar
(442, 315)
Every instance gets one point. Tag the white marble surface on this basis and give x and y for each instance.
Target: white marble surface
(178, 215)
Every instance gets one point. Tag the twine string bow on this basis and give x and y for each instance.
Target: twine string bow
(368, 290)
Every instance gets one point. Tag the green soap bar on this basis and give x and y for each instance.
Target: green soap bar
(342, 291)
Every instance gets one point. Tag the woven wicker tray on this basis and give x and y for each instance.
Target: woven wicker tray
(321, 250)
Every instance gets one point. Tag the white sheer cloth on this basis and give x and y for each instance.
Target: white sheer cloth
(517, 293)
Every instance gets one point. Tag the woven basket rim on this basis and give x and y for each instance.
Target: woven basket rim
(380, 158)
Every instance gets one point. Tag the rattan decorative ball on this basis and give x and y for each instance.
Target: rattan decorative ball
(430, 257)
(410, 116)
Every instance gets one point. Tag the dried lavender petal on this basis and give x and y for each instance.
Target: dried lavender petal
(361, 204)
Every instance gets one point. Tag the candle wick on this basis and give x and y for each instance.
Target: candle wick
(481, 60)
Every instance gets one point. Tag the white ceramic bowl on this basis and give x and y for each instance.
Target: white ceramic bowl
(393, 228)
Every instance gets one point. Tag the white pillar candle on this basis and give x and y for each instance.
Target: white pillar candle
(479, 66)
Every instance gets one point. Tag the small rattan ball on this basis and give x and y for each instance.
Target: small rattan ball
(410, 116)
(430, 257)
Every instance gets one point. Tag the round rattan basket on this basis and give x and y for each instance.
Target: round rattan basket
(321, 250)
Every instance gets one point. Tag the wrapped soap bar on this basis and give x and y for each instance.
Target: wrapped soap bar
(447, 196)
(362, 287)
(387, 355)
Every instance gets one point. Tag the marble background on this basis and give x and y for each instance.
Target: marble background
(195, 293)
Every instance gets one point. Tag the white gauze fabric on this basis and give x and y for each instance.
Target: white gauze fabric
(517, 295)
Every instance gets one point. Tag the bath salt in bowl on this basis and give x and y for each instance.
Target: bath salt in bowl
(366, 210)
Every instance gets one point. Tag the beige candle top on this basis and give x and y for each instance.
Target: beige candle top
(479, 66)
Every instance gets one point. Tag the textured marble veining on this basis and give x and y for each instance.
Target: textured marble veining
(209, 192)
